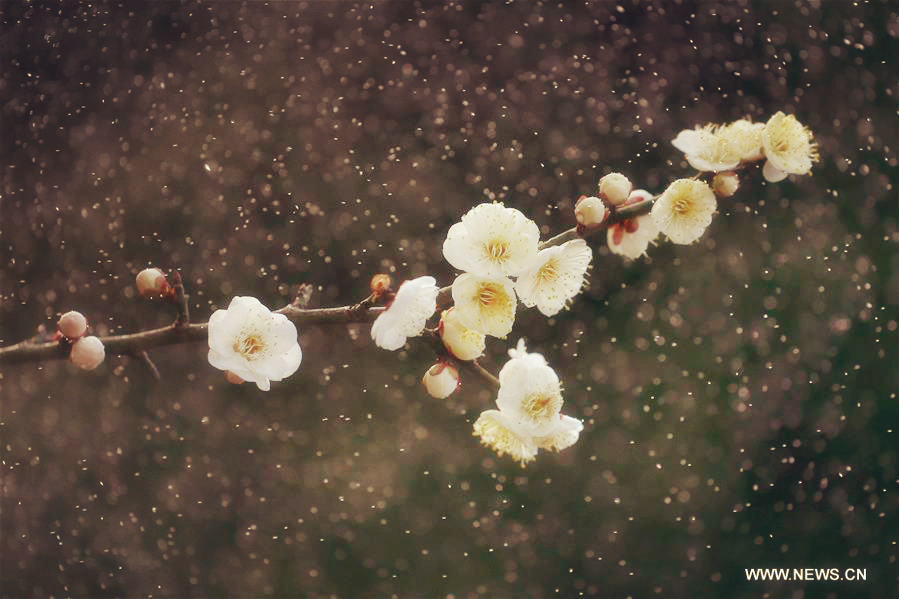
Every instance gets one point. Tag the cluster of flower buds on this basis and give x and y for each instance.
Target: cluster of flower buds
(85, 352)
(628, 237)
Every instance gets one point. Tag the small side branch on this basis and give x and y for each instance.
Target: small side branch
(180, 301)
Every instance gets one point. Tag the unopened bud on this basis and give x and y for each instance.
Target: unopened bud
(441, 380)
(87, 353)
(725, 184)
(590, 211)
(380, 284)
(72, 324)
(151, 282)
(615, 187)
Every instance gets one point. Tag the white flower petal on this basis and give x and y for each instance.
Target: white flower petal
(773, 174)
(415, 302)
(556, 276)
(496, 432)
(563, 435)
(483, 304)
(632, 237)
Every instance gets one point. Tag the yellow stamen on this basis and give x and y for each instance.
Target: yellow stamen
(249, 346)
(498, 250)
(541, 407)
(548, 272)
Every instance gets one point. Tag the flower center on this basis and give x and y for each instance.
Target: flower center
(487, 295)
(498, 250)
(541, 407)
(681, 205)
(549, 272)
(249, 346)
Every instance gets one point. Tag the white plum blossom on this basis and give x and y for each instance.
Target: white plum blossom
(253, 342)
(704, 150)
(744, 138)
(555, 276)
(414, 303)
(464, 343)
(529, 391)
(721, 148)
(486, 305)
(684, 210)
(528, 418)
(492, 241)
(789, 149)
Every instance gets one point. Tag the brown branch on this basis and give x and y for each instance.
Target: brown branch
(175, 334)
(485, 374)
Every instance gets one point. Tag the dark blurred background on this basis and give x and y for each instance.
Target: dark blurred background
(739, 395)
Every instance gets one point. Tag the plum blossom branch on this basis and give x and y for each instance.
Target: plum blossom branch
(503, 265)
(175, 334)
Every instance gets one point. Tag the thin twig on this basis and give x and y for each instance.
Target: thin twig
(181, 301)
(145, 358)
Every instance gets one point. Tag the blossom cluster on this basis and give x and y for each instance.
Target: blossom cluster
(498, 249)
(784, 143)
(503, 263)
(684, 210)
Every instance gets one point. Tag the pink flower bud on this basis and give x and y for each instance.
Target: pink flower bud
(87, 353)
(441, 380)
(151, 282)
(72, 324)
(590, 211)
